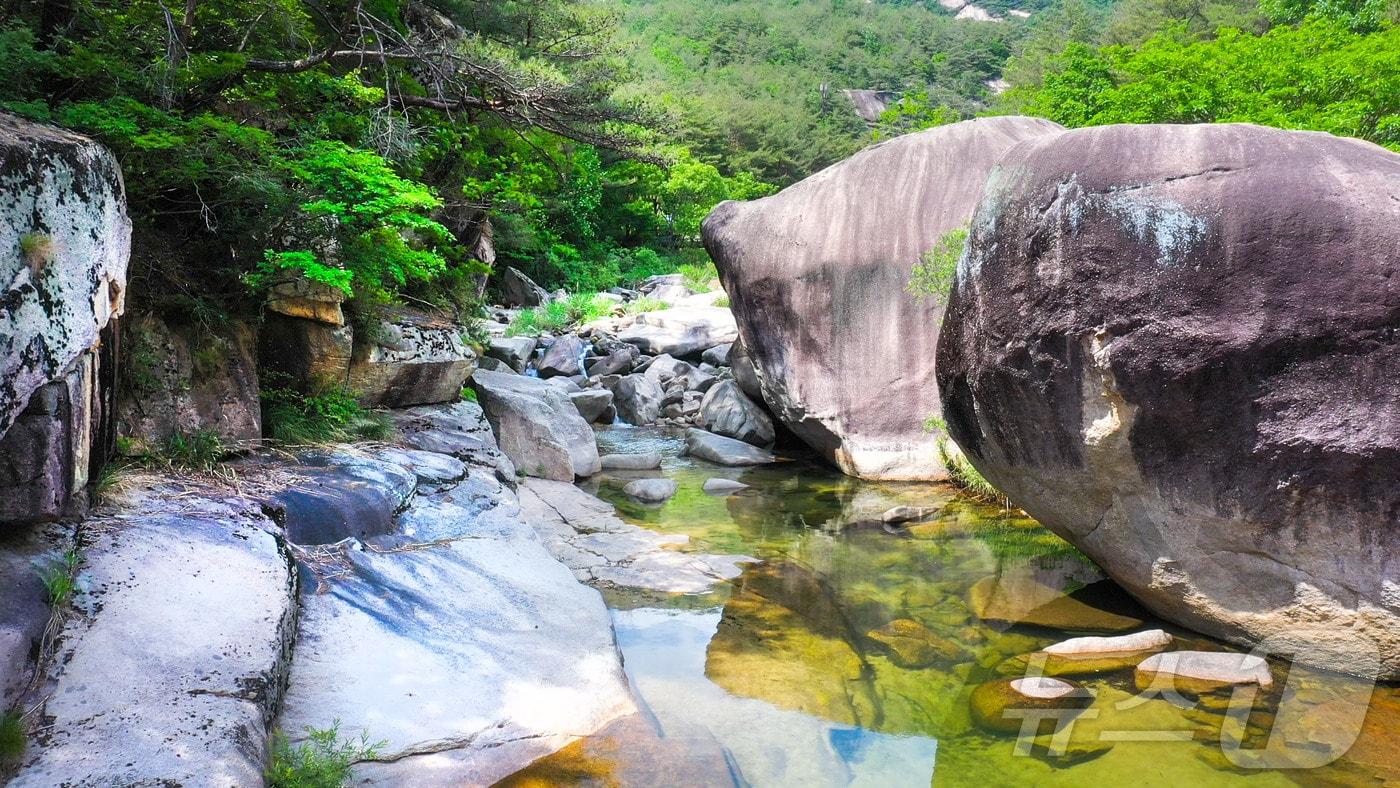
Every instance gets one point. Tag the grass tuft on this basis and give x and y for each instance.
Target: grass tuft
(699, 277)
(60, 579)
(557, 316)
(323, 761)
(14, 736)
(330, 413)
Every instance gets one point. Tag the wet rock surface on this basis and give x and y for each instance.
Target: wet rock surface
(1206, 414)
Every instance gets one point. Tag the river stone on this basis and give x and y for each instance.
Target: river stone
(666, 368)
(907, 514)
(537, 426)
(726, 411)
(515, 351)
(171, 669)
(718, 355)
(745, 373)
(586, 534)
(193, 379)
(593, 404)
(517, 289)
(1004, 705)
(469, 657)
(614, 363)
(493, 365)
(721, 486)
(725, 451)
(631, 462)
(682, 331)
(817, 277)
(637, 399)
(651, 490)
(1196, 672)
(1209, 416)
(562, 357)
(415, 359)
(566, 385)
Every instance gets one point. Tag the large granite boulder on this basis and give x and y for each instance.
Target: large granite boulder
(184, 378)
(537, 426)
(817, 274)
(66, 239)
(564, 356)
(637, 398)
(1176, 347)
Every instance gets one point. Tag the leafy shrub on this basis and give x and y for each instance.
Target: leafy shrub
(14, 737)
(324, 761)
(699, 276)
(197, 451)
(634, 265)
(60, 579)
(557, 316)
(933, 276)
(330, 413)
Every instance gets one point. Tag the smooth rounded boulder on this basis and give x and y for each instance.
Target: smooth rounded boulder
(537, 426)
(816, 276)
(1175, 346)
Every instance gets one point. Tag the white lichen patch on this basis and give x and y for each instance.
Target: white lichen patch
(1167, 224)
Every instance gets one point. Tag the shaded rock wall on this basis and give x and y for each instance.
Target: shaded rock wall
(1176, 346)
(816, 276)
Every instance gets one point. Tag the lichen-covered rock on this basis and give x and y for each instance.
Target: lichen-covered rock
(415, 360)
(817, 274)
(1175, 346)
(64, 243)
(184, 379)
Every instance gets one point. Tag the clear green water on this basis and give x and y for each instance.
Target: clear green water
(781, 678)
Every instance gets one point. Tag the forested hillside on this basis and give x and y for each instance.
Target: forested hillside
(400, 149)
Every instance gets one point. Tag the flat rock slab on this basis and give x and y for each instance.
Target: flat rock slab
(470, 655)
(725, 451)
(167, 672)
(587, 535)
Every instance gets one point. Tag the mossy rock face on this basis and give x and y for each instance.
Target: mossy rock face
(1005, 705)
(1098, 607)
(913, 645)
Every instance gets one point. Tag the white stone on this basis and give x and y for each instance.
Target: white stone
(1222, 667)
(1148, 640)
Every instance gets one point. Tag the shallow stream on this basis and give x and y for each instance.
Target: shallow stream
(782, 678)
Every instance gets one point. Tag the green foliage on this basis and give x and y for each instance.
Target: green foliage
(14, 736)
(60, 579)
(699, 277)
(1318, 76)
(329, 413)
(558, 316)
(643, 304)
(199, 451)
(933, 276)
(469, 394)
(323, 761)
(961, 473)
(1358, 16)
(722, 301)
(914, 112)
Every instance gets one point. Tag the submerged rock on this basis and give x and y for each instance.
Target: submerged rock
(1212, 418)
(724, 451)
(720, 486)
(1088, 656)
(913, 645)
(586, 534)
(1020, 600)
(817, 276)
(537, 426)
(1007, 705)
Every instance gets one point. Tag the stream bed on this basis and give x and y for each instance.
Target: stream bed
(790, 676)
